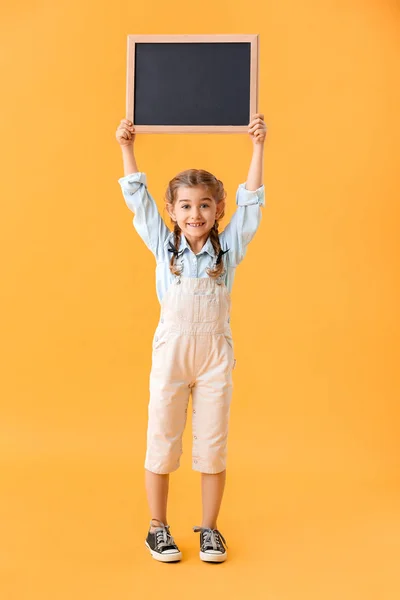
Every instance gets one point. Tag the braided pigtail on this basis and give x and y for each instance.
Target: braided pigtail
(174, 249)
(219, 265)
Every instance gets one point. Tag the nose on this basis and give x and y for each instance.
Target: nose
(196, 213)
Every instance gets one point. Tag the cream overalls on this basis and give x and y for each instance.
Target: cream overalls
(192, 353)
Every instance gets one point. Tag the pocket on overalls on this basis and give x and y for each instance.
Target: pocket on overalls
(206, 307)
(229, 340)
(160, 339)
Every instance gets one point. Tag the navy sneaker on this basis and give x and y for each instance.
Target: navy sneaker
(161, 544)
(212, 547)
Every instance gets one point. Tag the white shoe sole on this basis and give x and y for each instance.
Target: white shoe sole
(207, 557)
(171, 557)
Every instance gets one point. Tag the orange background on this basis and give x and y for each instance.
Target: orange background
(311, 508)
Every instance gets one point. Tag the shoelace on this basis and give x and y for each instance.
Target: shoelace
(163, 536)
(212, 537)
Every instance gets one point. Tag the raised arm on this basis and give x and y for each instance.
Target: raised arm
(147, 220)
(129, 160)
(250, 197)
(255, 174)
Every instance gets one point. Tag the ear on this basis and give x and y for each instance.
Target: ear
(220, 209)
(170, 210)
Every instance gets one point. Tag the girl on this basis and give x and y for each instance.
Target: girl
(192, 350)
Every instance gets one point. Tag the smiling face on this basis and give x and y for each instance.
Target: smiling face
(195, 211)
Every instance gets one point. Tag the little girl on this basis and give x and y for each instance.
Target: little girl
(192, 351)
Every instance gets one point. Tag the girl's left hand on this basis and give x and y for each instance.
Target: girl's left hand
(257, 129)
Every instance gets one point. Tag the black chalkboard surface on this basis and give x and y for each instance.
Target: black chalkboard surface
(192, 83)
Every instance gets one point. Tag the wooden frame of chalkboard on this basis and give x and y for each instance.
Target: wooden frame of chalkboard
(139, 45)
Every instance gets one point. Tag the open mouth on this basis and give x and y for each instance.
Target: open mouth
(195, 224)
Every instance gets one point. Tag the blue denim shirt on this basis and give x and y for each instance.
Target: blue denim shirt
(150, 226)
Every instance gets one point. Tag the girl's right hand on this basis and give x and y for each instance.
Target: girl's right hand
(125, 133)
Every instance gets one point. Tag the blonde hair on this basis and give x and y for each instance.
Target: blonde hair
(194, 178)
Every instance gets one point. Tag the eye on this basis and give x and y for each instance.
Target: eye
(206, 205)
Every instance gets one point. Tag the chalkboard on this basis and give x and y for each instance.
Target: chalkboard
(192, 83)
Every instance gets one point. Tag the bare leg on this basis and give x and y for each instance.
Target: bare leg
(212, 488)
(157, 494)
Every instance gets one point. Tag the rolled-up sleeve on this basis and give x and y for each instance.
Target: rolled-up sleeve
(147, 220)
(244, 222)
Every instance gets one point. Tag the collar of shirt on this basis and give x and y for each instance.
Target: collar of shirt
(208, 247)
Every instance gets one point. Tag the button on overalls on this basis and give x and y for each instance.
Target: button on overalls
(192, 353)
